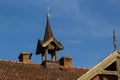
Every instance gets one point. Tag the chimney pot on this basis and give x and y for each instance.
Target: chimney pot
(66, 62)
(25, 57)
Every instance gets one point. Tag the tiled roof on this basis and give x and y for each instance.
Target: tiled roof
(11, 70)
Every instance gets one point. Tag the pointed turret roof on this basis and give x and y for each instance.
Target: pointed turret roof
(48, 31)
(49, 39)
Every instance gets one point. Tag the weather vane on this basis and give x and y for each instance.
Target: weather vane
(47, 10)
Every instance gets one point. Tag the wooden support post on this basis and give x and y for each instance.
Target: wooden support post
(46, 54)
(56, 55)
(43, 57)
(118, 67)
(52, 55)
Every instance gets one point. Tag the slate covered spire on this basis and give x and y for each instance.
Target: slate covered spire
(114, 40)
(48, 31)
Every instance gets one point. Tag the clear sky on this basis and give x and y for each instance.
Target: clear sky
(84, 27)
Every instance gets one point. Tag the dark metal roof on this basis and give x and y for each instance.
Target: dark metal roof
(48, 31)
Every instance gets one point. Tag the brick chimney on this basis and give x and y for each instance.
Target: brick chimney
(25, 57)
(66, 62)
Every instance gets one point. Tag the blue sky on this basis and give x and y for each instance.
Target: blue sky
(84, 27)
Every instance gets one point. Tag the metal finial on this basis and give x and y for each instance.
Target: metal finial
(47, 12)
(114, 40)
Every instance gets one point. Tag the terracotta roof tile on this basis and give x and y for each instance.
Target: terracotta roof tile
(18, 71)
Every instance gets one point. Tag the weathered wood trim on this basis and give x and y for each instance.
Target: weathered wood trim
(54, 40)
(47, 42)
(108, 72)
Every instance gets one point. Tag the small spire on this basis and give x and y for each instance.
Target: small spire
(48, 31)
(114, 40)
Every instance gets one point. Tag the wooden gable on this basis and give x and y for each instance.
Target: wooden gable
(110, 66)
(53, 43)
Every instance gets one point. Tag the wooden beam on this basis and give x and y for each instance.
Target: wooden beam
(43, 57)
(52, 57)
(46, 54)
(118, 67)
(108, 72)
(56, 55)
